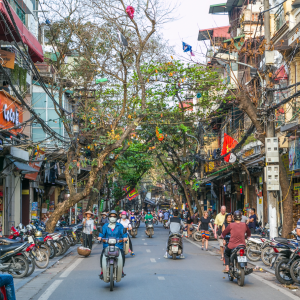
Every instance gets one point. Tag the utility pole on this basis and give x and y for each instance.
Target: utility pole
(270, 130)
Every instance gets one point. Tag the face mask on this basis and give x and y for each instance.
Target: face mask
(112, 219)
(123, 217)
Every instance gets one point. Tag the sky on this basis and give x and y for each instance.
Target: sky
(192, 16)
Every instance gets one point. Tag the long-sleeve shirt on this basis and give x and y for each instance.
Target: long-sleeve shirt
(148, 217)
(116, 233)
(89, 226)
(237, 234)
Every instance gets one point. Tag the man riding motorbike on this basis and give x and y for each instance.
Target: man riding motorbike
(126, 224)
(112, 230)
(175, 224)
(237, 232)
(103, 219)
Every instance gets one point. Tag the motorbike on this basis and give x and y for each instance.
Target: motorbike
(149, 228)
(10, 260)
(253, 251)
(175, 245)
(238, 265)
(133, 232)
(112, 261)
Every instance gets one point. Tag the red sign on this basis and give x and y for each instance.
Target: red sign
(12, 112)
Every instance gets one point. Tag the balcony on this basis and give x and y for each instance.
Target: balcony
(279, 18)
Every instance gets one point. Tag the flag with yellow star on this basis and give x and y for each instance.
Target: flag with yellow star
(228, 144)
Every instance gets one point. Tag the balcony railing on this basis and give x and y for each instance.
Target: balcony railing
(279, 18)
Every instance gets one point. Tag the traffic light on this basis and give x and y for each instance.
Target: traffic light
(241, 189)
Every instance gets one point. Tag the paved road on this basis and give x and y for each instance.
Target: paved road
(199, 275)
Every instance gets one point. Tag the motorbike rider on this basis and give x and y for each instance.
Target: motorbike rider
(237, 232)
(175, 224)
(104, 218)
(113, 230)
(166, 216)
(126, 224)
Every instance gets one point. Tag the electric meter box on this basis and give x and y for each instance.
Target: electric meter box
(272, 150)
(272, 177)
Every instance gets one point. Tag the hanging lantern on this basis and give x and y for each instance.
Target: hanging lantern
(159, 134)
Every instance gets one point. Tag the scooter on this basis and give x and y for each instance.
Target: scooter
(149, 228)
(175, 245)
(133, 232)
(112, 261)
(238, 265)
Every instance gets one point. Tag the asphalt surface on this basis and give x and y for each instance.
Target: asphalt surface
(149, 274)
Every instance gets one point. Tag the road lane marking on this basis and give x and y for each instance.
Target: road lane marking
(50, 290)
(152, 260)
(148, 250)
(145, 244)
(143, 239)
(163, 278)
(67, 272)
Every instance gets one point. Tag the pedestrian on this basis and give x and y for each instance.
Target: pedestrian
(189, 222)
(88, 227)
(219, 221)
(228, 220)
(203, 224)
(252, 221)
(244, 218)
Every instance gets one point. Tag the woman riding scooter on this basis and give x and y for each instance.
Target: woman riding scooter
(126, 223)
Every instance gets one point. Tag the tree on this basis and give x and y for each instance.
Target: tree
(106, 114)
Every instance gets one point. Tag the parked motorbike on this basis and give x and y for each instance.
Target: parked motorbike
(175, 245)
(253, 251)
(149, 228)
(112, 261)
(10, 260)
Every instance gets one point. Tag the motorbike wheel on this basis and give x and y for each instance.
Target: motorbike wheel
(111, 277)
(58, 248)
(251, 255)
(241, 278)
(31, 266)
(52, 250)
(283, 275)
(295, 270)
(21, 263)
(46, 248)
(266, 255)
(156, 222)
(64, 246)
(174, 256)
(42, 259)
(197, 236)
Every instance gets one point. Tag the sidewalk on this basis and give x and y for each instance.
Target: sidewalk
(20, 282)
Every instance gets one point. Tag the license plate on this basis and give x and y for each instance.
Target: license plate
(30, 239)
(150, 225)
(174, 248)
(242, 259)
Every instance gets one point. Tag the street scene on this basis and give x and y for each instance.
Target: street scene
(149, 148)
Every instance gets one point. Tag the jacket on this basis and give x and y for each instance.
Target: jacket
(175, 224)
(117, 233)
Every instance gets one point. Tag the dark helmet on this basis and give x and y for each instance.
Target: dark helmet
(237, 215)
(112, 212)
(175, 212)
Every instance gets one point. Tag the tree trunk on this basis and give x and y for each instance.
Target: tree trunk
(287, 204)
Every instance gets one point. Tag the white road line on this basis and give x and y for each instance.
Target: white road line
(67, 272)
(143, 239)
(163, 278)
(148, 250)
(152, 260)
(274, 286)
(51, 289)
(145, 244)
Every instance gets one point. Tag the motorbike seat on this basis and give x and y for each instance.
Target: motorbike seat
(8, 241)
(6, 248)
(281, 240)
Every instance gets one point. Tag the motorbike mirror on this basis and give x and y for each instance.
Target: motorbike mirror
(124, 230)
(100, 229)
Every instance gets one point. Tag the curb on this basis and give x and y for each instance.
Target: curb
(19, 283)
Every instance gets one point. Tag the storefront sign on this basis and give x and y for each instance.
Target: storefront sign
(11, 113)
(36, 162)
(294, 155)
(8, 59)
(34, 206)
(297, 193)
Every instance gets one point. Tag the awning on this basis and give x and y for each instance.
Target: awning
(149, 201)
(34, 47)
(217, 32)
(23, 168)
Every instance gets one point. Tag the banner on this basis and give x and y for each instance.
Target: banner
(101, 205)
(228, 144)
(132, 194)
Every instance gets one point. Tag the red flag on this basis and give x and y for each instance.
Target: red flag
(228, 144)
